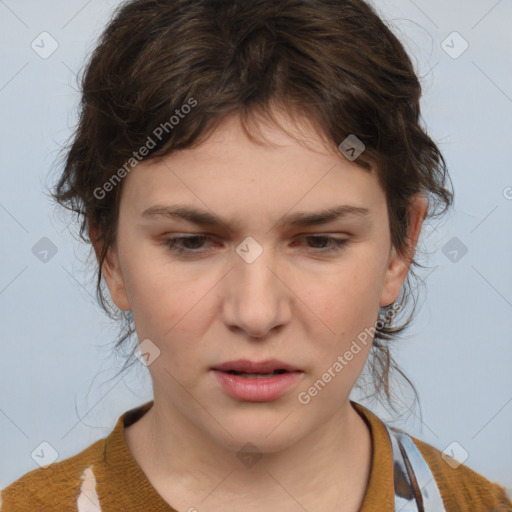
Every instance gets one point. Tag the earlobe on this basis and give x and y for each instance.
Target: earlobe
(395, 276)
(111, 270)
(399, 264)
(114, 278)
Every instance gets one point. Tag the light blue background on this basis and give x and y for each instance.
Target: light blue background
(57, 344)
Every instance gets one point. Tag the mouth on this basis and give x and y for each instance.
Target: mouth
(257, 375)
(254, 369)
(251, 381)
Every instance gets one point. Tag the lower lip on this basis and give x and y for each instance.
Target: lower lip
(263, 389)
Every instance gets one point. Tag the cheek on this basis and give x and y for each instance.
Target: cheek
(166, 301)
(349, 298)
(347, 307)
(160, 306)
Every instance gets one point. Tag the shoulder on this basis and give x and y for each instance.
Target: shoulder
(54, 487)
(462, 488)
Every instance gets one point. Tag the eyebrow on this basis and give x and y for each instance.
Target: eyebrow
(302, 219)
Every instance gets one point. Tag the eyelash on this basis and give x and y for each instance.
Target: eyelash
(336, 244)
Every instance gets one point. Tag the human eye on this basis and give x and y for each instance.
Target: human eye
(186, 245)
(194, 245)
(326, 243)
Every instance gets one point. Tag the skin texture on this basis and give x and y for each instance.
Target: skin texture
(296, 302)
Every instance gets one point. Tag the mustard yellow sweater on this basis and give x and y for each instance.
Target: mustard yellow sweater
(106, 478)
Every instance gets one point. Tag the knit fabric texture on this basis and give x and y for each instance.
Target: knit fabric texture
(105, 477)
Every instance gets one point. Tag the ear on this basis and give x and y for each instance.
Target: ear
(399, 265)
(111, 269)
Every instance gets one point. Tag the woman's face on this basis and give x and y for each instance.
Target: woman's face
(259, 279)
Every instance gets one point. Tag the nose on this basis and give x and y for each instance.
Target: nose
(256, 298)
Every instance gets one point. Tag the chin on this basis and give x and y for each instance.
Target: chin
(267, 436)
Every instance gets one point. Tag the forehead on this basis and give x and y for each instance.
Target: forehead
(277, 171)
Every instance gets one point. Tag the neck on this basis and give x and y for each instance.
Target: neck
(332, 464)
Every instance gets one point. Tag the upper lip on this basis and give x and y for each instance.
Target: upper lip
(247, 366)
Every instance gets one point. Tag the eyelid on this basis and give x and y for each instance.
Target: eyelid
(335, 244)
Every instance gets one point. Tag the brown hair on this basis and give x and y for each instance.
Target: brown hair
(333, 61)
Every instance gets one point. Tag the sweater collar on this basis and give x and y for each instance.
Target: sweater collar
(124, 468)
